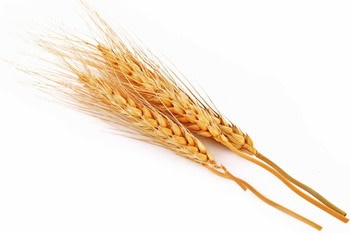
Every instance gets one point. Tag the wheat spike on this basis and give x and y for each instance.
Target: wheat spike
(159, 86)
(83, 80)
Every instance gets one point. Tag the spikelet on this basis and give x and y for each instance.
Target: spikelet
(142, 73)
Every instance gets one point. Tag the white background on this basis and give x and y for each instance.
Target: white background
(278, 69)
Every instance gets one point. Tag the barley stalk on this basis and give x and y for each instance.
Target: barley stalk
(158, 86)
